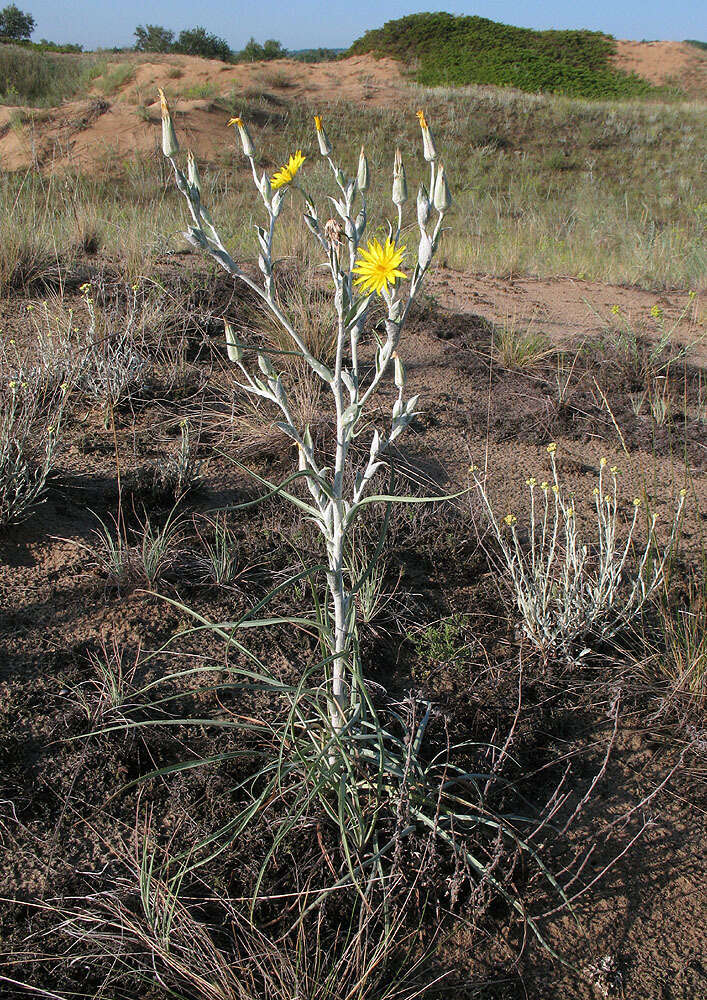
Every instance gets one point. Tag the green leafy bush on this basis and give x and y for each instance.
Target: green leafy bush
(463, 50)
(153, 38)
(200, 42)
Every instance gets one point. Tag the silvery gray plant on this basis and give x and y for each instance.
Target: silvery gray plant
(338, 492)
(567, 592)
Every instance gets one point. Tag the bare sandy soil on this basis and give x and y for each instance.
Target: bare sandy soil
(665, 63)
(91, 134)
(570, 311)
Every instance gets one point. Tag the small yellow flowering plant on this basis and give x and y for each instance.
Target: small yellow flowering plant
(568, 593)
(360, 275)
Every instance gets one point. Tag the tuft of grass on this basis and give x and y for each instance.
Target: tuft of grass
(206, 89)
(520, 347)
(126, 561)
(219, 559)
(115, 79)
(683, 658)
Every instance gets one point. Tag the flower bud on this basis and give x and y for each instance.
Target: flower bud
(423, 206)
(246, 141)
(443, 198)
(400, 187)
(428, 143)
(170, 146)
(234, 349)
(363, 177)
(322, 137)
(398, 372)
(193, 172)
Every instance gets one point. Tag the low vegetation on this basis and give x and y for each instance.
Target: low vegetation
(445, 49)
(39, 76)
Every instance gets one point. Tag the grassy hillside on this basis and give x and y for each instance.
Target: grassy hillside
(463, 50)
(31, 76)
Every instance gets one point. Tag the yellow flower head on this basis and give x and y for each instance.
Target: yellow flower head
(318, 123)
(287, 173)
(421, 118)
(602, 462)
(636, 501)
(614, 470)
(595, 492)
(556, 489)
(656, 312)
(544, 485)
(531, 482)
(236, 121)
(616, 310)
(683, 493)
(551, 448)
(379, 266)
(510, 519)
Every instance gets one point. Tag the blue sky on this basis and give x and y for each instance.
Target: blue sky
(336, 23)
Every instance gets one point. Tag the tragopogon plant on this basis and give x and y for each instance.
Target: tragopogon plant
(358, 275)
(568, 592)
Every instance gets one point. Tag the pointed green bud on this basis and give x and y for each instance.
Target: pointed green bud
(322, 138)
(362, 178)
(428, 144)
(443, 198)
(246, 141)
(234, 349)
(399, 371)
(170, 146)
(400, 187)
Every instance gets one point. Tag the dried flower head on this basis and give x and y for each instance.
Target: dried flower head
(334, 232)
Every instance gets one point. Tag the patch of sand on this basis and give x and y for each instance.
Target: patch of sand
(665, 63)
(570, 311)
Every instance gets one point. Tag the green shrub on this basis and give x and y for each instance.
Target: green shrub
(153, 38)
(200, 42)
(464, 50)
